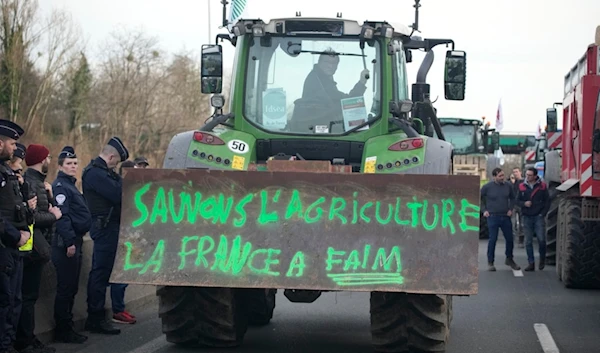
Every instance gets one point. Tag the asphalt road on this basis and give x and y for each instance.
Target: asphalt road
(502, 318)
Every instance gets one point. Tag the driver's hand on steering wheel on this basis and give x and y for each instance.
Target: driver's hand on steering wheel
(363, 76)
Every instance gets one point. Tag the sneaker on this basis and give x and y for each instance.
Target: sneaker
(510, 262)
(542, 264)
(491, 267)
(123, 318)
(129, 314)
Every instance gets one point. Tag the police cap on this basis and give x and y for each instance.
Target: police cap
(20, 151)
(10, 129)
(141, 160)
(118, 145)
(67, 152)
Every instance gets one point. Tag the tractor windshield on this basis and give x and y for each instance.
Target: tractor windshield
(312, 85)
(464, 138)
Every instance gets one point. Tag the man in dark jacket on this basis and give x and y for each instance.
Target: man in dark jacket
(67, 244)
(37, 159)
(517, 215)
(534, 200)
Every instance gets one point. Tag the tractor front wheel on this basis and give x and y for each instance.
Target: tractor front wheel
(202, 316)
(402, 322)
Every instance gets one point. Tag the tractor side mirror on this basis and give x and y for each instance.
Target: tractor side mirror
(455, 78)
(551, 120)
(212, 68)
(495, 141)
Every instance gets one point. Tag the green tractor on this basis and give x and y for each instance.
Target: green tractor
(305, 189)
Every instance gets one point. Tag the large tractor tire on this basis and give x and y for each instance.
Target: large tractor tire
(551, 227)
(484, 231)
(202, 317)
(402, 322)
(260, 304)
(580, 248)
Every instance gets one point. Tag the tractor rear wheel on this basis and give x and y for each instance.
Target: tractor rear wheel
(202, 316)
(580, 248)
(402, 322)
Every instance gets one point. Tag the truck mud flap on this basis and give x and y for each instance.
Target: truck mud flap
(299, 230)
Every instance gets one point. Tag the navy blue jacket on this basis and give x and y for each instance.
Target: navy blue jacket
(9, 234)
(538, 195)
(76, 219)
(102, 188)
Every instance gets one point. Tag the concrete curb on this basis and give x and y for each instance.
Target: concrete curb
(137, 297)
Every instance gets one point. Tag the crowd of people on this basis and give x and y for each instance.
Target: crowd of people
(519, 206)
(45, 222)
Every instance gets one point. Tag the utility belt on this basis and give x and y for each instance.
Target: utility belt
(102, 221)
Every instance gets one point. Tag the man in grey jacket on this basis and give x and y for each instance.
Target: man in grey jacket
(498, 201)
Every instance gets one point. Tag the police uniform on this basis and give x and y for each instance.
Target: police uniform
(102, 188)
(75, 222)
(14, 220)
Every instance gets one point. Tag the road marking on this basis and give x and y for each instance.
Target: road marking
(152, 346)
(518, 273)
(546, 340)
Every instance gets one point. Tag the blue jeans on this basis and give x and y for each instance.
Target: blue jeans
(495, 223)
(537, 225)
(117, 297)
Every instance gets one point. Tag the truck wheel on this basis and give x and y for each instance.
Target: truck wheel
(259, 304)
(551, 227)
(484, 231)
(402, 322)
(197, 317)
(560, 235)
(580, 249)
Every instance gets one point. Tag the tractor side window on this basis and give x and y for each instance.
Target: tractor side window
(401, 78)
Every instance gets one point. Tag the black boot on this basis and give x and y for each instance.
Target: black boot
(99, 324)
(66, 334)
(36, 346)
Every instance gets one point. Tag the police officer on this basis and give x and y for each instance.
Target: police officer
(14, 234)
(67, 244)
(102, 188)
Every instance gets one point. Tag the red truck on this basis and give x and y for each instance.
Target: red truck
(573, 174)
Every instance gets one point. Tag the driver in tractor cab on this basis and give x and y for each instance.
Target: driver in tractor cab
(319, 84)
(321, 97)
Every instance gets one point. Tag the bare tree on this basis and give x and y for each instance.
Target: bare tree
(57, 48)
(16, 36)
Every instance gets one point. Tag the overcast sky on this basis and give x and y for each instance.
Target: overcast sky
(517, 50)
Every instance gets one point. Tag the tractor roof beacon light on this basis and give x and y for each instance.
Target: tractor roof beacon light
(387, 31)
(367, 32)
(239, 29)
(217, 101)
(258, 30)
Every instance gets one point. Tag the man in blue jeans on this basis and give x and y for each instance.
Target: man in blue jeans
(497, 202)
(534, 200)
